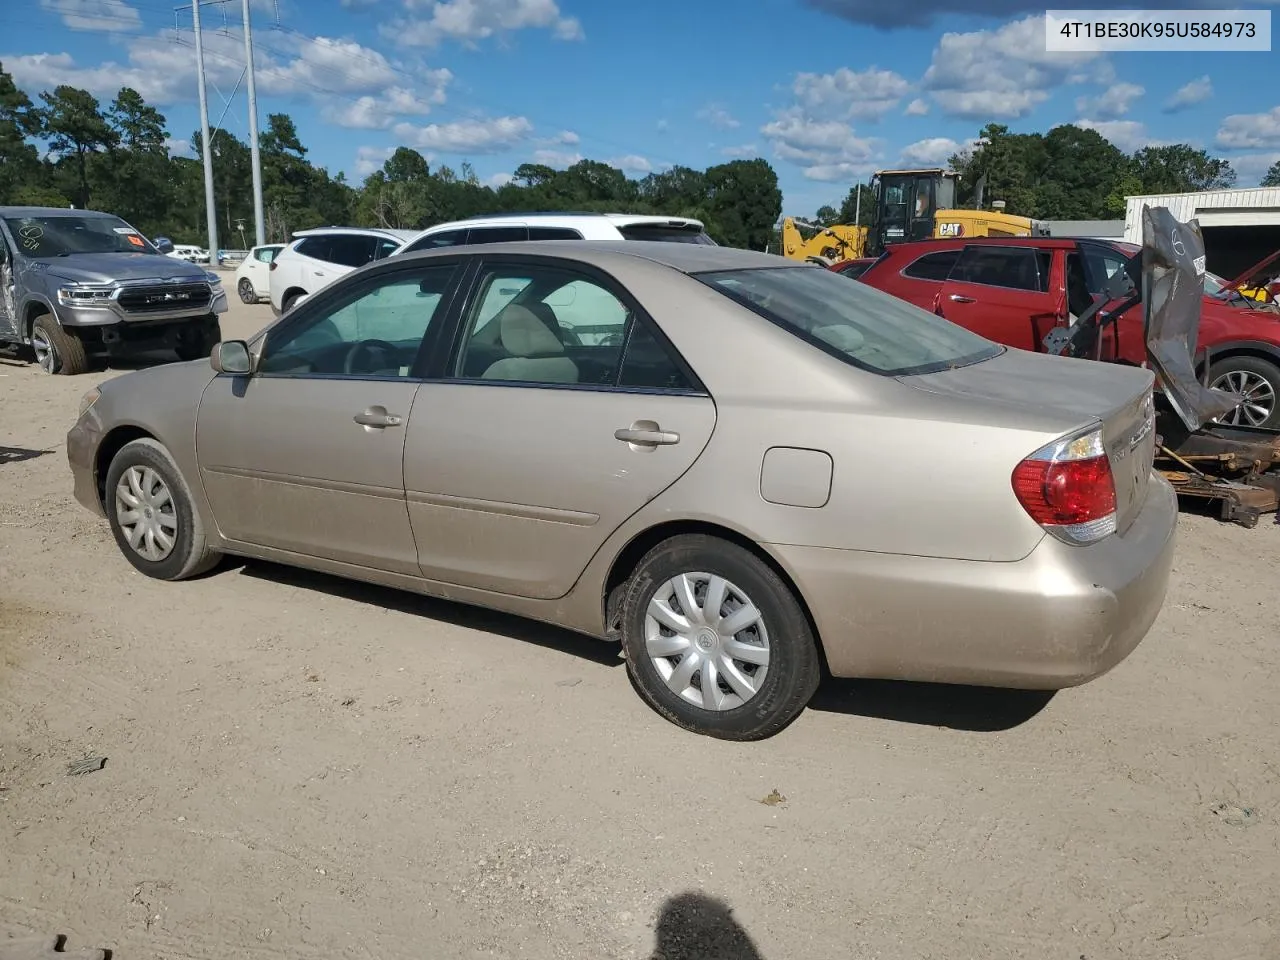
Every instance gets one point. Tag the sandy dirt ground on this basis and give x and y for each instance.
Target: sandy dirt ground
(298, 767)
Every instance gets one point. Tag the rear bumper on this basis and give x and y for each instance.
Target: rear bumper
(1057, 618)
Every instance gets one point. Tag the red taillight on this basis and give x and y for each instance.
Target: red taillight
(1067, 487)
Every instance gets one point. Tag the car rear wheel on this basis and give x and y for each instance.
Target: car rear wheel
(152, 515)
(57, 351)
(716, 642)
(1255, 379)
(247, 293)
(289, 301)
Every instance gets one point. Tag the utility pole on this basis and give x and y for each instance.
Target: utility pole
(259, 222)
(207, 147)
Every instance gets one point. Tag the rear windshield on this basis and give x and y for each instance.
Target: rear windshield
(65, 236)
(665, 232)
(852, 321)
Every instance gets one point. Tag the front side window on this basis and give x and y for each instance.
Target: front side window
(544, 325)
(553, 233)
(857, 323)
(43, 238)
(1017, 268)
(372, 333)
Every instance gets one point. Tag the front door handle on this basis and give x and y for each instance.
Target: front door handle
(960, 298)
(643, 437)
(377, 418)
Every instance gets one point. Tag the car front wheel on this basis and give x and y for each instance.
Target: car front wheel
(716, 642)
(247, 293)
(152, 515)
(57, 350)
(1258, 382)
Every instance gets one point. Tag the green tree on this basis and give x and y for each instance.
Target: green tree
(1079, 169)
(857, 207)
(1272, 177)
(20, 167)
(745, 202)
(76, 128)
(1012, 164)
(1179, 168)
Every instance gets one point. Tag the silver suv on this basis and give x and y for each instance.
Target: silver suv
(75, 283)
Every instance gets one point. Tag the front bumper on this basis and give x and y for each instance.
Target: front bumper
(1057, 618)
(70, 315)
(82, 448)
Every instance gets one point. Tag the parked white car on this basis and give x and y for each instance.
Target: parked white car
(316, 258)
(187, 251)
(558, 226)
(253, 276)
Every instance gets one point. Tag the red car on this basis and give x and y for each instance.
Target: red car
(853, 269)
(1014, 290)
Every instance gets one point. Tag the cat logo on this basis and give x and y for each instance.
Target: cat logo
(951, 229)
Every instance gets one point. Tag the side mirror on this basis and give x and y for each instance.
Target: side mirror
(233, 357)
(164, 245)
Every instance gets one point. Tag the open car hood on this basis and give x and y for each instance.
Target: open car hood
(1172, 293)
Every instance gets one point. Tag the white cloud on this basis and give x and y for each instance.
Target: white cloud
(917, 108)
(934, 151)
(827, 150)
(663, 125)
(1250, 131)
(1111, 104)
(370, 159)
(716, 115)
(469, 21)
(1188, 95)
(742, 150)
(110, 16)
(1128, 135)
(379, 112)
(631, 163)
(557, 159)
(1252, 167)
(499, 180)
(567, 137)
(179, 148)
(999, 74)
(848, 94)
(467, 136)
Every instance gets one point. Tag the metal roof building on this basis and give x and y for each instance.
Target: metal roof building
(1097, 229)
(1240, 226)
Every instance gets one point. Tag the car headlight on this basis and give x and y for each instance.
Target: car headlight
(85, 295)
(88, 400)
(214, 279)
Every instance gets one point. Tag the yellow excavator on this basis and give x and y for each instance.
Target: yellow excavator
(907, 205)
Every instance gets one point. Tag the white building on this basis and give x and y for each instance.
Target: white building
(1240, 226)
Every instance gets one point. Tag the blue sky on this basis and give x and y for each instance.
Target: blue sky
(826, 90)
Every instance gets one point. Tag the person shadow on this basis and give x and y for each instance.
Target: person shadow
(694, 926)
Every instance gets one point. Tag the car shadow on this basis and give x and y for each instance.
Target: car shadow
(975, 709)
(694, 926)
(19, 454)
(443, 611)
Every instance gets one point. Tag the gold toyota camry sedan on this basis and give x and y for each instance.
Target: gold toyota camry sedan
(739, 467)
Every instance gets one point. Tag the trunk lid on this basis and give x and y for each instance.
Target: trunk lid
(1075, 391)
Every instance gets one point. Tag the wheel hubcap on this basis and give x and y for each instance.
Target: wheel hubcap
(246, 291)
(146, 513)
(1259, 398)
(707, 641)
(45, 357)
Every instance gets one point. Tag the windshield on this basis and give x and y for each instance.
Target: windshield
(645, 231)
(46, 237)
(857, 323)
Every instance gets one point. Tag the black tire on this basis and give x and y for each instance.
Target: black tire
(190, 554)
(66, 353)
(1263, 373)
(794, 667)
(246, 291)
(198, 343)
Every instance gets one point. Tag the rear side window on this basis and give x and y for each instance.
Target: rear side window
(497, 234)
(852, 321)
(666, 232)
(932, 266)
(1017, 268)
(553, 233)
(445, 238)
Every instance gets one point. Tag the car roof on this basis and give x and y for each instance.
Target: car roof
(54, 212)
(952, 243)
(364, 231)
(685, 257)
(566, 219)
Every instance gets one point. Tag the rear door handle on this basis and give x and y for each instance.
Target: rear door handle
(960, 298)
(377, 417)
(646, 438)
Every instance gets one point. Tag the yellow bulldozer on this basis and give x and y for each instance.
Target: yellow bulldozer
(907, 205)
